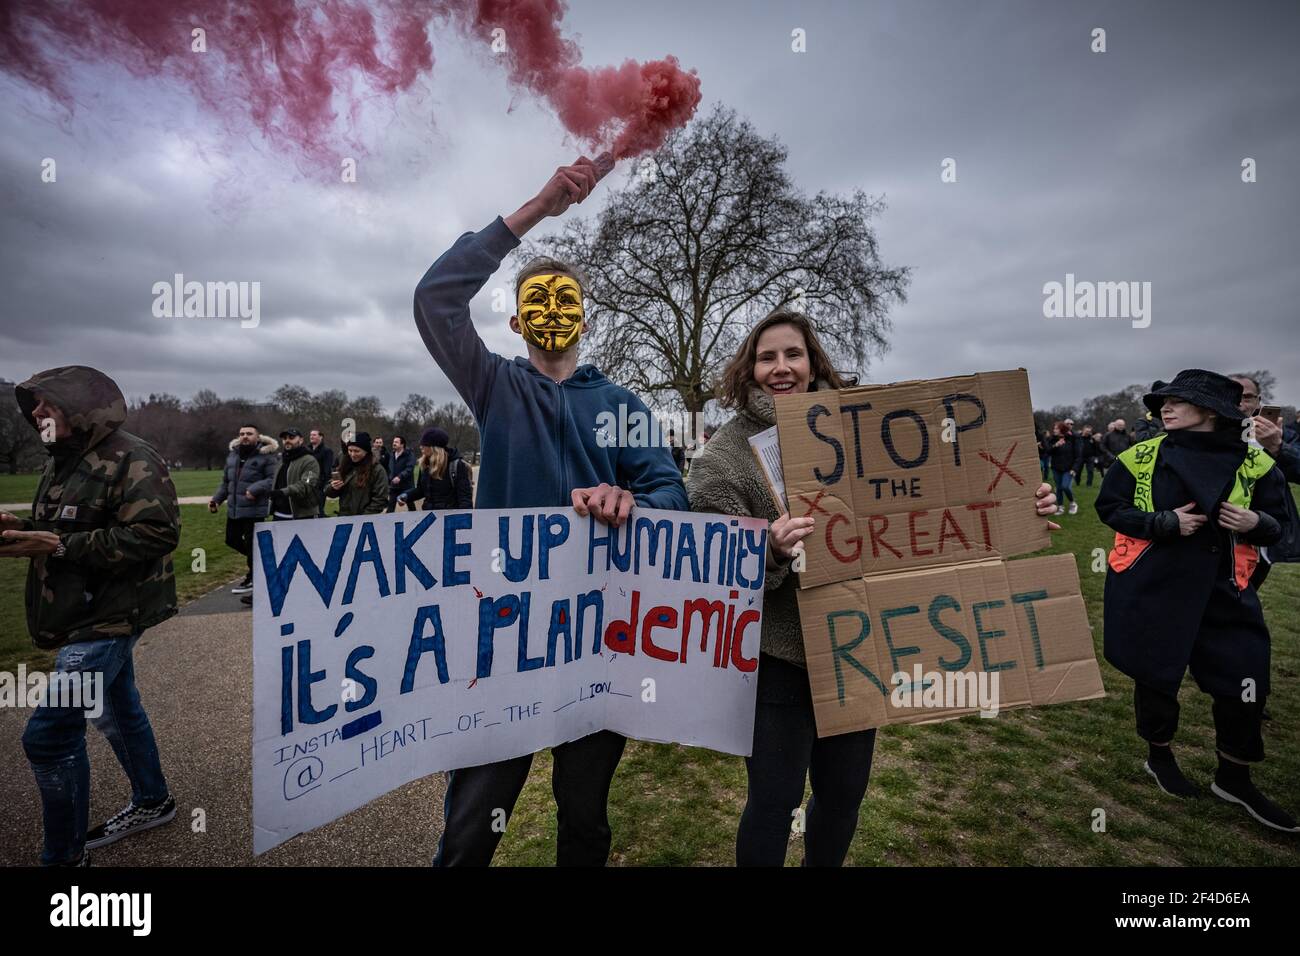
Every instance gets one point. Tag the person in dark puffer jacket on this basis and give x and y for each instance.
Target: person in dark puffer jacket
(246, 490)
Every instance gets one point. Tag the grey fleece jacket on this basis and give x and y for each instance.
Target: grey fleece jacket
(724, 478)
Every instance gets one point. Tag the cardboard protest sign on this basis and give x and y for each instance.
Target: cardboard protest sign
(910, 613)
(387, 647)
(918, 474)
(1006, 633)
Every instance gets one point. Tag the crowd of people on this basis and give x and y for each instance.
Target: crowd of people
(1065, 456)
(294, 477)
(1199, 504)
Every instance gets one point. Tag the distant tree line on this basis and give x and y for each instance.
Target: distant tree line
(1100, 410)
(197, 433)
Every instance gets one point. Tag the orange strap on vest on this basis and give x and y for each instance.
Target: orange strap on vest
(1140, 460)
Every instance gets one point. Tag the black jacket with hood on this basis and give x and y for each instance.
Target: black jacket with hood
(109, 497)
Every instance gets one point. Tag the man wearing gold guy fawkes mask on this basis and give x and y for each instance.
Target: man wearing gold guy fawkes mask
(550, 311)
(538, 419)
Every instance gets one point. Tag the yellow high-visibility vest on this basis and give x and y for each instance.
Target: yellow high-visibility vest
(1140, 460)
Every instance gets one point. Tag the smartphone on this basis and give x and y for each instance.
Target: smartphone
(1272, 412)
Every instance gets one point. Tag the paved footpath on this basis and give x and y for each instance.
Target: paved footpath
(195, 678)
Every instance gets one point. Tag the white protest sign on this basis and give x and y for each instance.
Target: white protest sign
(387, 647)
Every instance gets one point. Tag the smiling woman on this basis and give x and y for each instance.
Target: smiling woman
(781, 356)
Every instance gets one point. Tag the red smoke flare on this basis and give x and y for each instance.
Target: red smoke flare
(288, 66)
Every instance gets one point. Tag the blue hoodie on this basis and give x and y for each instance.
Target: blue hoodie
(539, 438)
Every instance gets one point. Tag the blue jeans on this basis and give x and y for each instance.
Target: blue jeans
(1064, 479)
(55, 742)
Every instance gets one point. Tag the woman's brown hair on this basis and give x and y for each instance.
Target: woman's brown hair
(738, 377)
(361, 469)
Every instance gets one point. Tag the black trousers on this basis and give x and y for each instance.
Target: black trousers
(787, 751)
(480, 800)
(239, 535)
(1237, 724)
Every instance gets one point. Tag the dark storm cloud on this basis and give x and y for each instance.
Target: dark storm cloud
(1116, 166)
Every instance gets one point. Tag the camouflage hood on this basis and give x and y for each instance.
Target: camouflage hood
(89, 399)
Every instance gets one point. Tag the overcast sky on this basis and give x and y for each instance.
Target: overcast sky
(1115, 166)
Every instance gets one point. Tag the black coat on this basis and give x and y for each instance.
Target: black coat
(401, 467)
(1147, 428)
(1067, 456)
(1177, 604)
(324, 456)
(1112, 443)
(454, 491)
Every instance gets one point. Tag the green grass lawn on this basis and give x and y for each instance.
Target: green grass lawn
(14, 488)
(1020, 789)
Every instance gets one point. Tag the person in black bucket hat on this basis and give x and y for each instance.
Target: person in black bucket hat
(1190, 508)
(1209, 390)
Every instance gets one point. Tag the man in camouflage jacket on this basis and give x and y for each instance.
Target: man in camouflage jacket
(104, 522)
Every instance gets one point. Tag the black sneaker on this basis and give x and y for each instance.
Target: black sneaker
(244, 586)
(131, 820)
(1162, 765)
(247, 599)
(1257, 805)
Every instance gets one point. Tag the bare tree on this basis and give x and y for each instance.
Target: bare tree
(415, 413)
(159, 420)
(20, 445)
(293, 401)
(211, 424)
(455, 419)
(709, 235)
(1264, 378)
(1100, 410)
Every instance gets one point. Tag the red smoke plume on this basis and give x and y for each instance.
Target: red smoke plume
(289, 66)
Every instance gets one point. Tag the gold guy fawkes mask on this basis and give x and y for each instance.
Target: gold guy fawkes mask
(550, 311)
